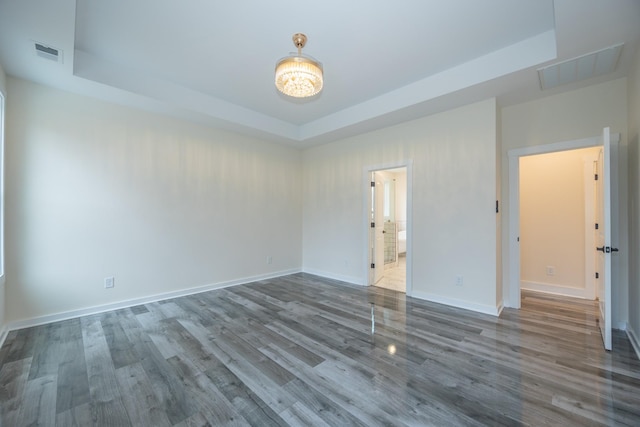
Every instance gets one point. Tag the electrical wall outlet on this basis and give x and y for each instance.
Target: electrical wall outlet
(551, 270)
(269, 259)
(459, 280)
(109, 282)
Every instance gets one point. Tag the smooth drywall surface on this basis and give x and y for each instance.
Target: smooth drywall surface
(571, 116)
(453, 192)
(3, 80)
(3, 91)
(97, 190)
(401, 198)
(552, 221)
(634, 199)
(499, 209)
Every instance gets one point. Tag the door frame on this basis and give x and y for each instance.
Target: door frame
(590, 232)
(376, 234)
(366, 206)
(512, 299)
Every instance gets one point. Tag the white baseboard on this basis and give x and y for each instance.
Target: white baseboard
(554, 289)
(4, 330)
(3, 334)
(349, 279)
(621, 326)
(72, 314)
(634, 341)
(480, 308)
(500, 308)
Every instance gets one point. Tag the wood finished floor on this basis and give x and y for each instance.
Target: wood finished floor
(299, 350)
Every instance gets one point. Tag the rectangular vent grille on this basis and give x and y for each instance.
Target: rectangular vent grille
(581, 68)
(48, 52)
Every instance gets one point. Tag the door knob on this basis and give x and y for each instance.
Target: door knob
(607, 249)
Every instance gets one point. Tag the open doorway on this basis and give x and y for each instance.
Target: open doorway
(388, 228)
(607, 207)
(512, 297)
(558, 222)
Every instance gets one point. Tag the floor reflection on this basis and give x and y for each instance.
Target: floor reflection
(541, 365)
(561, 364)
(389, 340)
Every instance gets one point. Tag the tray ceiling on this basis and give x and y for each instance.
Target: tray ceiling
(384, 62)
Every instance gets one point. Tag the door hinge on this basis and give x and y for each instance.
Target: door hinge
(373, 225)
(597, 275)
(497, 210)
(373, 265)
(373, 183)
(597, 226)
(596, 177)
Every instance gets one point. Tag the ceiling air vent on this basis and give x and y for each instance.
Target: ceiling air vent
(584, 67)
(48, 52)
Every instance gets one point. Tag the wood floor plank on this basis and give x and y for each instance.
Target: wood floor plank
(328, 379)
(120, 347)
(78, 416)
(143, 406)
(73, 384)
(253, 356)
(251, 377)
(164, 380)
(212, 404)
(243, 399)
(13, 381)
(299, 350)
(6, 346)
(300, 415)
(264, 336)
(22, 346)
(106, 402)
(46, 349)
(72, 380)
(322, 405)
(41, 395)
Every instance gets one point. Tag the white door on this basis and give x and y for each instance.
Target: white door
(603, 238)
(378, 220)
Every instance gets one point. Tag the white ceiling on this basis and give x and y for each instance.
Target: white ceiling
(385, 62)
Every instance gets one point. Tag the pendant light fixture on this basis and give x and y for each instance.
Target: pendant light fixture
(299, 76)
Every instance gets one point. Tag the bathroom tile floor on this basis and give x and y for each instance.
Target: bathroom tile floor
(395, 278)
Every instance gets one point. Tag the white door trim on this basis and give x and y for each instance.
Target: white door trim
(366, 200)
(512, 298)
(590, 232)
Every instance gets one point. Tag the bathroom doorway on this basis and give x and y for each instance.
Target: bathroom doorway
(388, 228)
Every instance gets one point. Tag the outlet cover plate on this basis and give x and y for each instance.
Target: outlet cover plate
(109, 282)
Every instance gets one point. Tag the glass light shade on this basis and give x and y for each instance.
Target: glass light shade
(299, 76)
